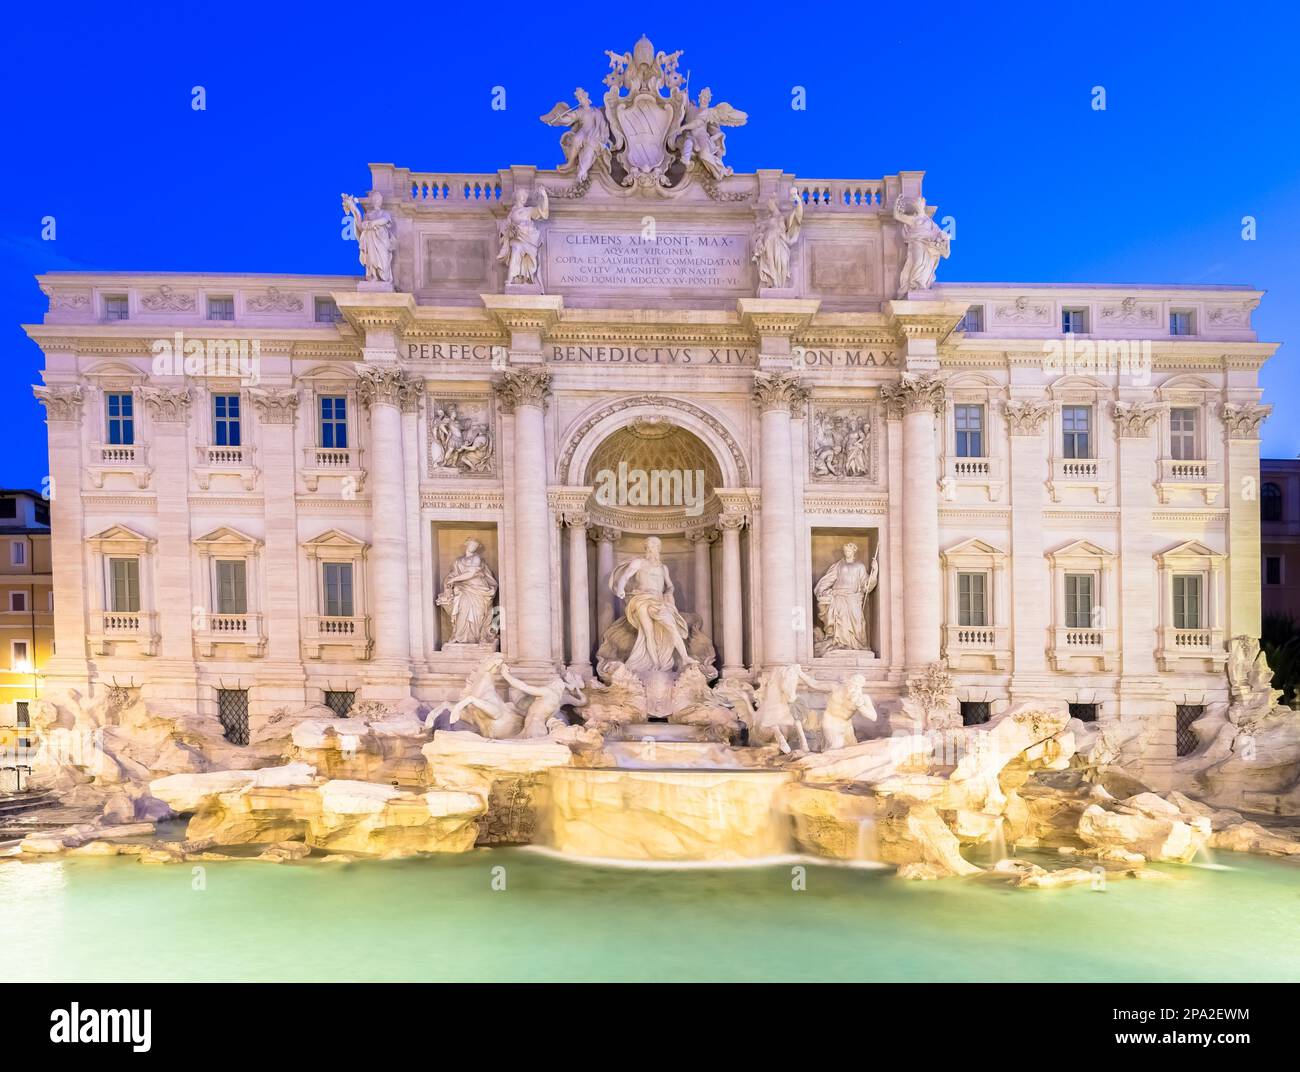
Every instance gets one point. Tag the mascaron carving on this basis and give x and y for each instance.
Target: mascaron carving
(913, 393)
(61, 403)
(1134, 419)
(776, 390)
(523, 387)
(1243, 419)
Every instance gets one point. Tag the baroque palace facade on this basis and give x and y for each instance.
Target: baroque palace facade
(267, 489)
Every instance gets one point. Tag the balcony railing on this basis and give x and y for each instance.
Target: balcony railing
(1089, 473)
(231, 456)
(455, 188)
(975, 472)
(1177, 645)
(1203, 475)
(1068, 642)
(331, 461)
(842, 195)
(243, 629)
(349, 633)
(120, 454)
(977, 645)
(119, 626)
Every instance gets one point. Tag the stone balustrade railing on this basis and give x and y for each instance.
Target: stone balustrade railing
(842, 195)
(453, 188)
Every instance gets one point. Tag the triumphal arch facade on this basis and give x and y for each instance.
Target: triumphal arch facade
(638, 413)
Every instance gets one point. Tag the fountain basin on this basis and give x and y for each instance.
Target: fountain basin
(667, 814)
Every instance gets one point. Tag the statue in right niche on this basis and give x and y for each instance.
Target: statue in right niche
(841, 602)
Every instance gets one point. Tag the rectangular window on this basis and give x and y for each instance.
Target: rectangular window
(338, 589)
(41, 511)
(1074, 321)
(1180, 322)
(22, 712)
(225, 420)
(1084, 712)
(972, 601)
(1187, 601)
(18, 601)
(221, 308)
(334, 421)
(119, 410)
(116, 307)
(969, 422)
(232, 592)
(1182, 435)
(17, 552)
(1273, 569)
(124, 585)
(1076, 430)
(8, 507)
(18, 656)
(973, 320)
(327, 312)
(1078, 600)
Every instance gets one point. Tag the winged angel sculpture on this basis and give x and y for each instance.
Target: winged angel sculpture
(648, 132)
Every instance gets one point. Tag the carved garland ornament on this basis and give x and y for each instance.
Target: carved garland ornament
(1243, 420)
(275, 406)
(275, 300)
(61, 403)
(913, 393)
(1134, 419)
(1026, 418)
(168, 405)
(656, 402)
(166, 300)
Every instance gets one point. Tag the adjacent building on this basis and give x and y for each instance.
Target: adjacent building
(1279, 511)
(26, 607)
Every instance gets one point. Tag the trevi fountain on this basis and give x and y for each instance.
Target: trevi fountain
(773, 709)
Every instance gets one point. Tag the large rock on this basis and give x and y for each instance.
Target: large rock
(871, 761)
(1251, 837)
(185, 793)
(833, 821)
(509, 777)
(1155, 839)
(379, 750)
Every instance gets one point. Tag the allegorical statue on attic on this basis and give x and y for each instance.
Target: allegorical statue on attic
(521, 238)
(926, 242)
(700, 135)
(374, 234)
(587, 139)
(777, 232)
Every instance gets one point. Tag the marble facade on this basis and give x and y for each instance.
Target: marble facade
(638, 316)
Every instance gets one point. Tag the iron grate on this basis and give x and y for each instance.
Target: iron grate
(232, 709)
(974, 712)
(340, 703)
(1185, 715)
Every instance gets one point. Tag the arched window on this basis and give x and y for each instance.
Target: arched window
(1270, 503)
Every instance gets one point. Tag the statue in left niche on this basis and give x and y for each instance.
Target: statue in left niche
(467, 595)
(375, 240)
(521, 238)
(587, 139)
(776, 234)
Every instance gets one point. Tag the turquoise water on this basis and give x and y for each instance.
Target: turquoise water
(440, 919)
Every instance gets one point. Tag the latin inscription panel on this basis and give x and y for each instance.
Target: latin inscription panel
(604, 260)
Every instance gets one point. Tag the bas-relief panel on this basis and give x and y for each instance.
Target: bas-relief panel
(842, 442)
(462, 435)
(461, 260)
(844, 267)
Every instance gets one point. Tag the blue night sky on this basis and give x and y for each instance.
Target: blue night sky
(991, 100)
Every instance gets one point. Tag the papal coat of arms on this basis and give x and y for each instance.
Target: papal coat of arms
(649, 132)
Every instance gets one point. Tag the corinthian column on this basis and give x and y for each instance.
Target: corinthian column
(523, 393)
(384, 390)
(579, 597)
(918, 400)
(778, 395)
(606, 537)
(733, 644)
(701, 539)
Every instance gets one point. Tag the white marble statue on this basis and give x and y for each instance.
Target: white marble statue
(375, 239)
(650, 609)
(925, 240)
(776, 720)
(587, 138)
(847, 698)
(521, 238)
(467, 595)
(700, 135)
(612, 705)
(482, 706)
(543, 714)
(775, 235)
(841, 602)
(695, 704)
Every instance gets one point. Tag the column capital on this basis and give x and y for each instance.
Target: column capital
(607, 534)
(526, 386)
(913, 393)
(1026, 418)
(698, 536)
(168, 405)
(387, 385)
(732, 522)
(779, 390)
(62, 403)
(275, 405)
(1243, 419)
(1133, 420)
(575, 519)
